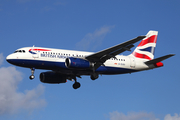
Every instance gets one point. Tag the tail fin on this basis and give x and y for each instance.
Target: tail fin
(145, 50)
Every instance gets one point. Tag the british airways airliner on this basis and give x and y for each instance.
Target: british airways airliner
(68, 64)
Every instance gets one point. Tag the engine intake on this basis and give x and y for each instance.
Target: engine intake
(51, 77)
(77, 63)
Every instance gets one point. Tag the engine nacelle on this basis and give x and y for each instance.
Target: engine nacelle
(51, 77)
(77, 63)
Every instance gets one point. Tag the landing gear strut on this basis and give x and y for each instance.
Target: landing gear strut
(32, 74)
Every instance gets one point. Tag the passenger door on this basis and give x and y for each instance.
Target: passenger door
(132, 62)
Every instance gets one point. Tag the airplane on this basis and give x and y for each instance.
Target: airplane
(69, 64)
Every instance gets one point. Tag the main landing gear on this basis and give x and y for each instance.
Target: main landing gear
(32, 74)
(76, 84)
(94, 76)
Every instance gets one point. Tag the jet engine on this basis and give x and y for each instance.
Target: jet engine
(51, 77)
(77, 63)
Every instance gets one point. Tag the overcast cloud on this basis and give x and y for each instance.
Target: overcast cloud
(94, 39)
(12, 100)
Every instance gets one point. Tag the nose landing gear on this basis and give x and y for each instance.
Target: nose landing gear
(32, 74)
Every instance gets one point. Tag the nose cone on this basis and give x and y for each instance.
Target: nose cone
(14, 60)
(10, 58)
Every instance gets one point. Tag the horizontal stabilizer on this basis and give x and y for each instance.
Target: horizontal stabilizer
(158, 59)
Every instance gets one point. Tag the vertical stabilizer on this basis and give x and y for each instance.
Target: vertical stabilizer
(145, 50)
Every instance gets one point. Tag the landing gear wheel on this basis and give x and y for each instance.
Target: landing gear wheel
(94, 76)
(32, 74)
(76, 85)
(31, 77)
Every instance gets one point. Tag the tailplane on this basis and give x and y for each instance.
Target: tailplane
(145, 50)
(157, 62)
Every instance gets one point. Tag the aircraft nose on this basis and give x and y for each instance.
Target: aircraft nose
(13, 59)
(9, 58)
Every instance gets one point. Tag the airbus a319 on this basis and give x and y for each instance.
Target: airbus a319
(69, 64)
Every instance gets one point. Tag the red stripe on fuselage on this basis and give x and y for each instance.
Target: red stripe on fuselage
(138, 55)
(39, 50)
(151, 39)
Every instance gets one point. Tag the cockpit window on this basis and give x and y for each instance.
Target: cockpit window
(19, 51)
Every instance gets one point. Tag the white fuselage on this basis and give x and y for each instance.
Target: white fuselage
(54, 59)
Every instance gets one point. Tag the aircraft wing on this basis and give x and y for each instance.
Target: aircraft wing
(100, 57)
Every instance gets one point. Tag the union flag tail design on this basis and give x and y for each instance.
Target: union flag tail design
(145, 50)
